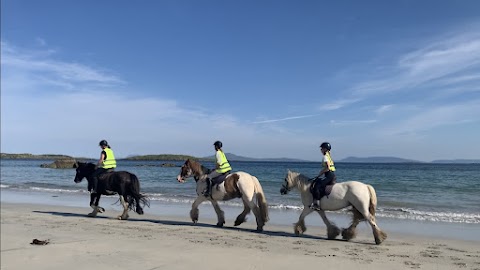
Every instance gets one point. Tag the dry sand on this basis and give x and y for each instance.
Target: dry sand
(162, 242)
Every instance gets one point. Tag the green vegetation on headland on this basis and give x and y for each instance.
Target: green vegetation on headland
(31, 156)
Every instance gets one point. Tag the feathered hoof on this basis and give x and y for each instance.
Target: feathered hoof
(381, 237)
(220, 224)
(101, 210)
(259, 229)
(297, 229)
(92, 214)
(121, 217)
(332, 232)
(348, 234)
(140, 211)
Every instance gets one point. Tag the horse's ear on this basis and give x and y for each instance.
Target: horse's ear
(75, 165)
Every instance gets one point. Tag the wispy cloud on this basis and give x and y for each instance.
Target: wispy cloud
(285, 119)
(428, 118)
(384, 108)
(57, 72)
(438, 60)
(337, 104)
(352, 122)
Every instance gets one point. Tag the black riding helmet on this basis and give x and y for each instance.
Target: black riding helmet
(326, 145)
(103, 143)
(218, 144)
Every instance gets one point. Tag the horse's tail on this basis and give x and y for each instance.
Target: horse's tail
(261, 200)
(373, 200)
(135, 199)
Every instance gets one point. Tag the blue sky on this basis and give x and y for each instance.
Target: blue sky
(267, 78)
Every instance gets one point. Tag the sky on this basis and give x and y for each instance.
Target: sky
(269, 79)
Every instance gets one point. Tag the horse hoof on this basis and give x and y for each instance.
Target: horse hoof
(219, 224)
(101, 210)
(91, 215)
(259, 229)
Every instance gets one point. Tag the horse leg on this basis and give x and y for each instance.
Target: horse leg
(364, 209)
(94, 200)
(124, 202)
(220, 213)
(194, 212)
(351, 232)
(332, 230)
(242, 217)
(256, 211)
(299, 227)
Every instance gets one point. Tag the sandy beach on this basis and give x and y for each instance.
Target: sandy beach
(162, 242)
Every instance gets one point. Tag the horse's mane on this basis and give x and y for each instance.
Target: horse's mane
(301, 179)
(197, 167)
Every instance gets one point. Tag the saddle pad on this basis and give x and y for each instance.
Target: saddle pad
(328, 189)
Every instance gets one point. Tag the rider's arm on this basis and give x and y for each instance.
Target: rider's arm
(218, 158)
(102, 158)
(327, 169)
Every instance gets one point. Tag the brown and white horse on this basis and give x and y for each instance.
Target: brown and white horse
(360, 196)
(236, 185)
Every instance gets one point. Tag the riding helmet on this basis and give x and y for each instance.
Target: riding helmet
(326, 145)
(103, 143)
(218, 144)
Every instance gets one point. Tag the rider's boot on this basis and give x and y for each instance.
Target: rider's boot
(207, 191)
(315, 205)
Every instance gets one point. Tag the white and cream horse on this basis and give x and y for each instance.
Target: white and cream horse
(236, 185)
(360, 196)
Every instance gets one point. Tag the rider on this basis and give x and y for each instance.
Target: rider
(328, 169)
(106, 162)
(221, 167)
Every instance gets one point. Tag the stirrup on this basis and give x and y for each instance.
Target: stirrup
(315, 207)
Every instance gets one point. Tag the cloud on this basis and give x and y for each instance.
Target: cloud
(437, 116)
(72, 122)
(352, 122)
(384, 108)
(338, 104)
(433, 62)
(285, 119)
(45, 69)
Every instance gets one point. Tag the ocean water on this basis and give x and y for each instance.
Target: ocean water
(438, 193)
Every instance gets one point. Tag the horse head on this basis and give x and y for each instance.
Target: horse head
(83, 170)
(288, 183)
(185, 171)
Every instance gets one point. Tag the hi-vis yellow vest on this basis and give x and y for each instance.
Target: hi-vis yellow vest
(330, 161)
(224, 165)
(109, 162)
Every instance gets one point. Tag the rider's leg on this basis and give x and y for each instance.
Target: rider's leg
(208, 191)
(316, 195)
(95, 176)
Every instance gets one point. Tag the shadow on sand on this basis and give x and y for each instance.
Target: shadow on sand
(199, 224)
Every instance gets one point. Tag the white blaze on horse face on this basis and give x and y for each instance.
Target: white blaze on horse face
(180, 179)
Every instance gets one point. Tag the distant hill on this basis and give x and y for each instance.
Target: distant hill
(233, 157)
(457, 161)
(31, 156)
(378, 160)
(168, 157)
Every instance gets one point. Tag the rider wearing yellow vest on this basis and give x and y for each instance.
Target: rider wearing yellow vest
(106, 162)
(221, 167)
(328, 169)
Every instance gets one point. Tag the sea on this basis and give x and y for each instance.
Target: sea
(435, 194)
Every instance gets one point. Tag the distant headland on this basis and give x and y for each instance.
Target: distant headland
(233, 157)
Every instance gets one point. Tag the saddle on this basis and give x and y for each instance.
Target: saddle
(219, 179)
(324, 189)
